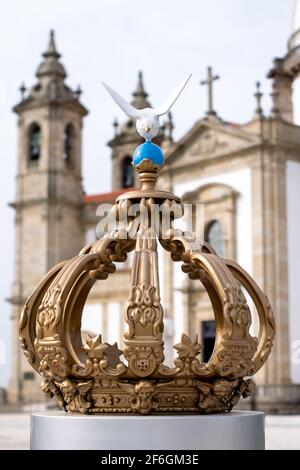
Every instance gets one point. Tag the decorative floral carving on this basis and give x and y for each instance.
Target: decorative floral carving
(222, 395)
(52, 390)
(103, 359)
(94, 347)
(143, 393)
(235, 358)
(72, 396)
(143, 360)
(143, 308)
(49, 312)
(147, 396)
(270, 332)
(187, 362)
(236, 308)
(76, 395)
(113, 354)
(189, 348)
(52, 360)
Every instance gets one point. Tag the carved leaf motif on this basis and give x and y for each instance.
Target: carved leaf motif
(103, 358)
(94, 347)
(53, 361)
(143, 315)
(189, 347)
(113, 354)
(236, 307)
(50, 309)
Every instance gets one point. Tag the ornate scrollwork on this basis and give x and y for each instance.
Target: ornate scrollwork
(143, 306)
(103, 360)
(188, 350)
(53, 359)
(144, 313)
(49, 312)
(222, 395)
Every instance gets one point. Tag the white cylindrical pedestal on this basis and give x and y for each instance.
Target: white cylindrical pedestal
(239, 430)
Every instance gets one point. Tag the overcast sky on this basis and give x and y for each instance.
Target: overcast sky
(111, 40)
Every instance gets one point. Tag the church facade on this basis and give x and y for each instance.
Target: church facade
(246, 177)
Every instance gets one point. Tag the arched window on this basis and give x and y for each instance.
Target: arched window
(34, 140)
(214, 236)
(127, 173)
(69, 135)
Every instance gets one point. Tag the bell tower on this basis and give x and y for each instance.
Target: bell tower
(286, 76)
(49, 194)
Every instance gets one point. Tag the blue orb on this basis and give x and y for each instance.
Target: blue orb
(148, 151)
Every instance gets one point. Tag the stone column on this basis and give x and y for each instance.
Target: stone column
(270, 255)
(282, 91)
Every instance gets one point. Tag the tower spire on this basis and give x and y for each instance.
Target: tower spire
(51, 84)
(51, 49)
(51, 65)
(140, 95)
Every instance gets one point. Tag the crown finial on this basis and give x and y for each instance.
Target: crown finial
(148, 159)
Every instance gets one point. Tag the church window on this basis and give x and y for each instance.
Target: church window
(127, 173)
(34, 143)
(215, 237)
(68, 142)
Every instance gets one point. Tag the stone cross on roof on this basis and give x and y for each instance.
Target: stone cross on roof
(209, 82)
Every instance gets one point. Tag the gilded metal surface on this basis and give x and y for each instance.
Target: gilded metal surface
(92, 378)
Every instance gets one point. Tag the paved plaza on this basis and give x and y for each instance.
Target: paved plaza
(282, 432)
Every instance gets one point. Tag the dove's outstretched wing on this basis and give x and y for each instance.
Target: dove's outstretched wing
(126, 107)
(165, 108)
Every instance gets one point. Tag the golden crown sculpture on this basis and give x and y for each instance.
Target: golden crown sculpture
(91, 377)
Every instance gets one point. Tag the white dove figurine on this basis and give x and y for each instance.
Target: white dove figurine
(147, 120)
